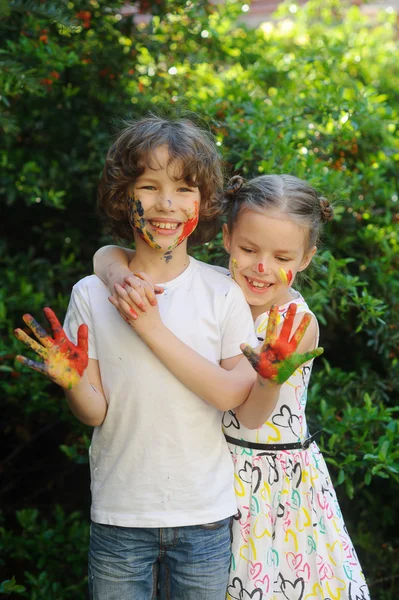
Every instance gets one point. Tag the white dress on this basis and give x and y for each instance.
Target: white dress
(289, 537)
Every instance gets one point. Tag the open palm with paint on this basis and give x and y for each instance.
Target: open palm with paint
(63, 361)
(278, 358)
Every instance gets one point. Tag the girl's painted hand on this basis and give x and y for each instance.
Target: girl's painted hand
(137, 305)
(63, 362)
(136, 295)
(278, 359)
(144, 286)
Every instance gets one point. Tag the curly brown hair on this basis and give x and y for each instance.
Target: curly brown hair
(133, 150)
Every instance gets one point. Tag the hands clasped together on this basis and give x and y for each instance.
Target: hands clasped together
(276, 360)
(64, 362)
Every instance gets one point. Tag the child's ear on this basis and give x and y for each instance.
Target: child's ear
(307, 259)
(226, 238)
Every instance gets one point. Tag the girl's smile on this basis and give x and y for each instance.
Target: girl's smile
(266, 251)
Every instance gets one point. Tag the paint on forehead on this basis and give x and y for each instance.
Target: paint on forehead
(234, 266)
(261, 268)
(285, 278)
(135, 213)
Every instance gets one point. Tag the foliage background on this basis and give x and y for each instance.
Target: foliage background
(314, 93)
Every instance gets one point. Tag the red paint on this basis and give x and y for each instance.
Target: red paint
(133, 312)
(189, 226)
(76, 355)
(275, 361)
(261, 268)
(289, 277)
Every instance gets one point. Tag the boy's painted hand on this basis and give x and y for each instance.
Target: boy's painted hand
(278, 359)
(63, 362)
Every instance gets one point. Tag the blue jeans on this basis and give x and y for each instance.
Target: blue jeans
(178, 563)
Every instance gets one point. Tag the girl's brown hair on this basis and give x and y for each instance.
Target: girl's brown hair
(284, 193)
(133, 150)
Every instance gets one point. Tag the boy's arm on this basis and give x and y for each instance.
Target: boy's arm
(86, 400)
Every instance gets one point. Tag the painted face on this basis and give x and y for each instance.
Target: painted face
(163, 210)
(266, 252)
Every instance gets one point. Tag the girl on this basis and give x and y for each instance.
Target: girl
(289, 537)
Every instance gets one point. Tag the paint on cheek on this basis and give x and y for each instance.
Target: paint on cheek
(137, 221)
(234, 266)
(284, 277)
(189, 225)
(261, 268)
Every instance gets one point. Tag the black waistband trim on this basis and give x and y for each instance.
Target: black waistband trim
(273, 447)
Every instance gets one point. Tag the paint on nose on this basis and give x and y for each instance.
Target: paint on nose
(261, 268)
(169, 203)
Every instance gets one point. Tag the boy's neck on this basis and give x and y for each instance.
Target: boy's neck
(160, 266)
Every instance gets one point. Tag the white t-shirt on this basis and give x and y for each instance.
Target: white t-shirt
(160, 458)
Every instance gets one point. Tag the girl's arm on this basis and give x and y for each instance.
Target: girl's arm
(68, 366)
(111, 264)
(293, 352)
(225, 388)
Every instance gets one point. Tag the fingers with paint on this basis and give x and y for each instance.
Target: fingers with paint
(63, 361)
(278, 358)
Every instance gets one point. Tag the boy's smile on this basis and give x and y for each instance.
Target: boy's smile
(163, 209)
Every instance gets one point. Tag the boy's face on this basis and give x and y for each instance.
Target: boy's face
(163, 210)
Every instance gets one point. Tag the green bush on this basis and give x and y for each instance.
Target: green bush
(312, 93)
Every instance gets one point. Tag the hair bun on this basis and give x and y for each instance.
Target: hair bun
(327, 211)
(234, 185)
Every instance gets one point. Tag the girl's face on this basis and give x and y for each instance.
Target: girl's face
(266, 252)
(163, 210)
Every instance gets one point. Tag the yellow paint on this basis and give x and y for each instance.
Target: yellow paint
(244, 550)
(234, 266)
(270, 437)
(336, 525)
(317, 593)
(335, 553)
(291, 533)
(283, 276)
(334, 588)
(265, 492)
(240, 491)
(299, 520)
(261, 529)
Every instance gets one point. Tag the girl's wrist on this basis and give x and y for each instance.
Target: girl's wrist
(268, 383)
